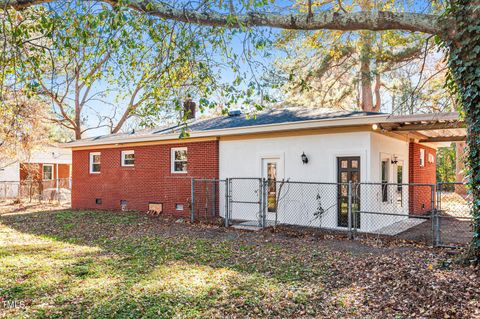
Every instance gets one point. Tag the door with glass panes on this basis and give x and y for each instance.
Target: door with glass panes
(348, 170)
(272, 172)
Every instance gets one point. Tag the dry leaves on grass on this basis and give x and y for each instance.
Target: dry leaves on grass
(157, 267)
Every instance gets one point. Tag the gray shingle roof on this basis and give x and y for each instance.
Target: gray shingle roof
(267, 117)
(275, 116)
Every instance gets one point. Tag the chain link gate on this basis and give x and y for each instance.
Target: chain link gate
(245, 202)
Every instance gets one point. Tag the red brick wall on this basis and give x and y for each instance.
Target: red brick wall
(420, 197)
(63, 171)
(35, 171)
(150, 180)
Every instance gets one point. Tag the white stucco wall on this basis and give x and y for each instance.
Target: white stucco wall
(242, 158)
(300, 202)
(385, 148)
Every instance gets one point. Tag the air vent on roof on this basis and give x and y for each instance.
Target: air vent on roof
(234, 113)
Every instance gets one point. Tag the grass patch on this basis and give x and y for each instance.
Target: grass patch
(75, 264)
(95, 264)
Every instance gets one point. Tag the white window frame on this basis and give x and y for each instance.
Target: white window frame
(172, 160)
(128, 152)
(43, 172)
(422, 157)
(90, 162)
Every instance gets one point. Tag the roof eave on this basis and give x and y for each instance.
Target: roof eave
(277, 127)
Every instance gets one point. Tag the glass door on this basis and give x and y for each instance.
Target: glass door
(348, 169)
(271, 169)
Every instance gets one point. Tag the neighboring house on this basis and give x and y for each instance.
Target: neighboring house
(47, 168)
(155, 166)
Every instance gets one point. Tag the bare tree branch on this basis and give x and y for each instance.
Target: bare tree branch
(343, 21)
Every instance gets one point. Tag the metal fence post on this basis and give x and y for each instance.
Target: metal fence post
(435, 216)
(227, 190)
(192, 208)
(214, 198)
(264, 202)
(350, 233)
(260, 202)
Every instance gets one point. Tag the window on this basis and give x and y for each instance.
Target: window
(422, 157)
(95, 162)
(384, 181)
(98, 201)
(178, 207)
(272, 187)
(399, 184)
(399, 176)
(179, 160)
(128, 158)
(47, 172)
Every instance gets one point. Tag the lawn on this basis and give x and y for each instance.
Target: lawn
(58, 263)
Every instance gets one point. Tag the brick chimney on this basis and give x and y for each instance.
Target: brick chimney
(189, 108)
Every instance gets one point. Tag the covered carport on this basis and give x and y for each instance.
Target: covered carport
(427, 128)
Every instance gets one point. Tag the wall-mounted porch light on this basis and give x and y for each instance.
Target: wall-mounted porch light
(394, 160)
(304, 158)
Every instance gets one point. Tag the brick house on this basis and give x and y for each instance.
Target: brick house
(47, 168)
(155, 166)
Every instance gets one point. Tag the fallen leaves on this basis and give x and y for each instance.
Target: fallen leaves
(124, 264)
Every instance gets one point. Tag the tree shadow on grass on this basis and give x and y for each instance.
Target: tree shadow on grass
(123, 264)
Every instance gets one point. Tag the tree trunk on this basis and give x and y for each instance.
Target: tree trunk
(366, 74)
(459, 168)
(366, 85)
(78, 133)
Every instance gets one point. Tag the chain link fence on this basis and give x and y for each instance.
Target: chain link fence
(401, 210)
(207, 196)
(37, 190)
(433, 214)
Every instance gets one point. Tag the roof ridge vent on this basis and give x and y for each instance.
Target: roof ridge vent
(233, 113)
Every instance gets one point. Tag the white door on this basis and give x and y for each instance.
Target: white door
(272, 172)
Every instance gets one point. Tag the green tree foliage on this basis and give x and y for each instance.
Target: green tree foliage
(446, 164)
(131, 64)
(100, 66)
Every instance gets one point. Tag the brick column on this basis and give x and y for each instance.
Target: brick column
(420, 197)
